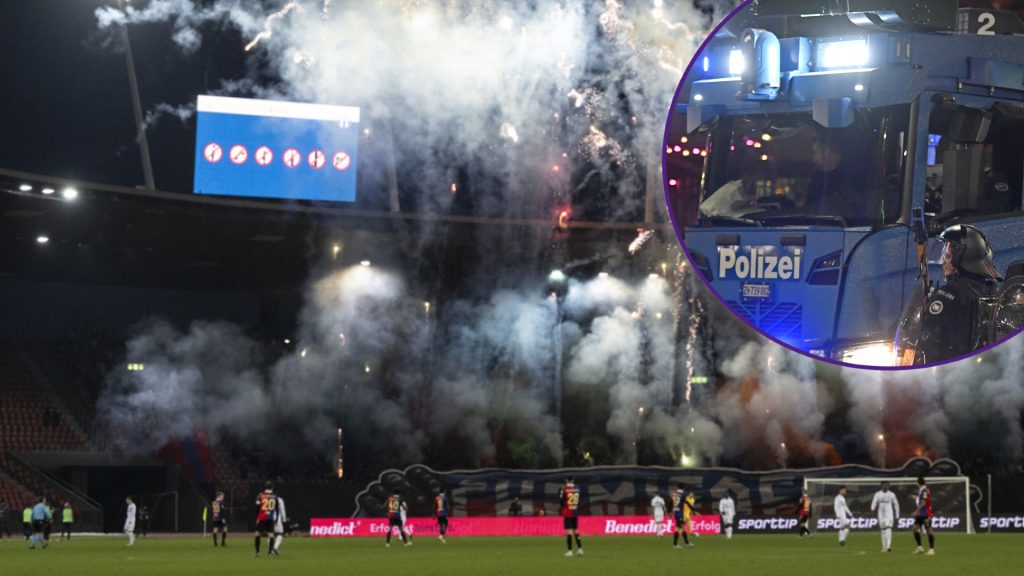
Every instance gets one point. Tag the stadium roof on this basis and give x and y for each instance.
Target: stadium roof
(134, 237)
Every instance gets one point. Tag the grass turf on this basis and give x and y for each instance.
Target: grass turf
(744, 555)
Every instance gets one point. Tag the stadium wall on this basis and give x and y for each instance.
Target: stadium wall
(49, 310)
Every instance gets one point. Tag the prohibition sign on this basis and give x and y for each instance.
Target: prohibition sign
(264, 155)
(341, 161)
(213, 152)
(291, 157)
(316, 159)
(238, 154)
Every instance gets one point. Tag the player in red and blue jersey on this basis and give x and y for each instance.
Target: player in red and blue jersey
(923, 517)
(220, 519)
(570, 501)
(804, 510)
(441, 513)
(395, 506)
(266, 516)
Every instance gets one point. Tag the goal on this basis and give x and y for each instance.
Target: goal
(950, 502)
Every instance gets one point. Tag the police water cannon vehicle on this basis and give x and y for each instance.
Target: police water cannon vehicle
(807, 135)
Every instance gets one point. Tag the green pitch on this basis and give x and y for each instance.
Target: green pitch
(742, 556)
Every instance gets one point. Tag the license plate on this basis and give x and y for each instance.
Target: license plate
(756, 291)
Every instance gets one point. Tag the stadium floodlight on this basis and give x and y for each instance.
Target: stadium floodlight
(365, 263)
(69, 193)
(48, 191)
(25, 187)
(951, 499)
(42, 239)
(556, 276)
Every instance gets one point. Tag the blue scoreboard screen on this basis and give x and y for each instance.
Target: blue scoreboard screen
(271, 149)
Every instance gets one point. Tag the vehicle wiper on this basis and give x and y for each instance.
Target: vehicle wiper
(940, 221)
(726, 221)
(803, 219)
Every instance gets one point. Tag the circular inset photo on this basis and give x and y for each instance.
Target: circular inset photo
(847, 178)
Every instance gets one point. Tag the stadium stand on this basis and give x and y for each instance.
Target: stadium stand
(33, 420)
(30, 418)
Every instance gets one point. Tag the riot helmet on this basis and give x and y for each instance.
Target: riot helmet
(969, 251)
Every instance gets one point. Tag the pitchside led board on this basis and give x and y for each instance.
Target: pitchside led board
(272, 149)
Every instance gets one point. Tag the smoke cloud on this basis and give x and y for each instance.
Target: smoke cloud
(527, 106)
(971, 409)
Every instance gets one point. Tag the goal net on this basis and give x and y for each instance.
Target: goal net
(950, 502)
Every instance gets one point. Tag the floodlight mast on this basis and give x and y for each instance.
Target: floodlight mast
(140, 125)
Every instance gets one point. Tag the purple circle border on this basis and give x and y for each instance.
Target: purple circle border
(682, 244)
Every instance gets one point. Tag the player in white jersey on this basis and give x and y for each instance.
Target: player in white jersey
(727, 509)
(843, 514)
(887, 506)
(405, 525)
(658, 507)
(129, 521)
(279, 524)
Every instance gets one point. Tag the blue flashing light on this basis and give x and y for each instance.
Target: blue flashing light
(933, 144)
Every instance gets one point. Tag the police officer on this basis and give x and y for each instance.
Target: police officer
(951, 325)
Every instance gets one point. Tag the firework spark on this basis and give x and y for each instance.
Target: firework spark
(268, 24)
(642, 237)
(508, 132)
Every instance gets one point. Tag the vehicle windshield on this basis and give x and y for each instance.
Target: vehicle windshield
(786, 169)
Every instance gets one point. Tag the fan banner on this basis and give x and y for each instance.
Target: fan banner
(621, 490)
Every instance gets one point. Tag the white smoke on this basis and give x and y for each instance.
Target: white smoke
(510, 89)
(486, 82)
(974, 405)
(520, 93)
(182, 113)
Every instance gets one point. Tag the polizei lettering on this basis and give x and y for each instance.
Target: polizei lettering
(761, 264)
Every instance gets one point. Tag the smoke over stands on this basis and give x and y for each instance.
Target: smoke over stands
(458, 345)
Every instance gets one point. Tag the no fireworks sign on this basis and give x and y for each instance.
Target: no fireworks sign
(276, 149)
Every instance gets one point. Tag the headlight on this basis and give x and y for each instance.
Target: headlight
(737, 63)
(878, 353)
(843, 54)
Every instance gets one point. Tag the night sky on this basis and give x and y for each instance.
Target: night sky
(66, 110)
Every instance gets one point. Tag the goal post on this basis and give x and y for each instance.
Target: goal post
(951, 507)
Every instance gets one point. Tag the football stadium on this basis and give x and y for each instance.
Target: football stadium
(327, 285)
